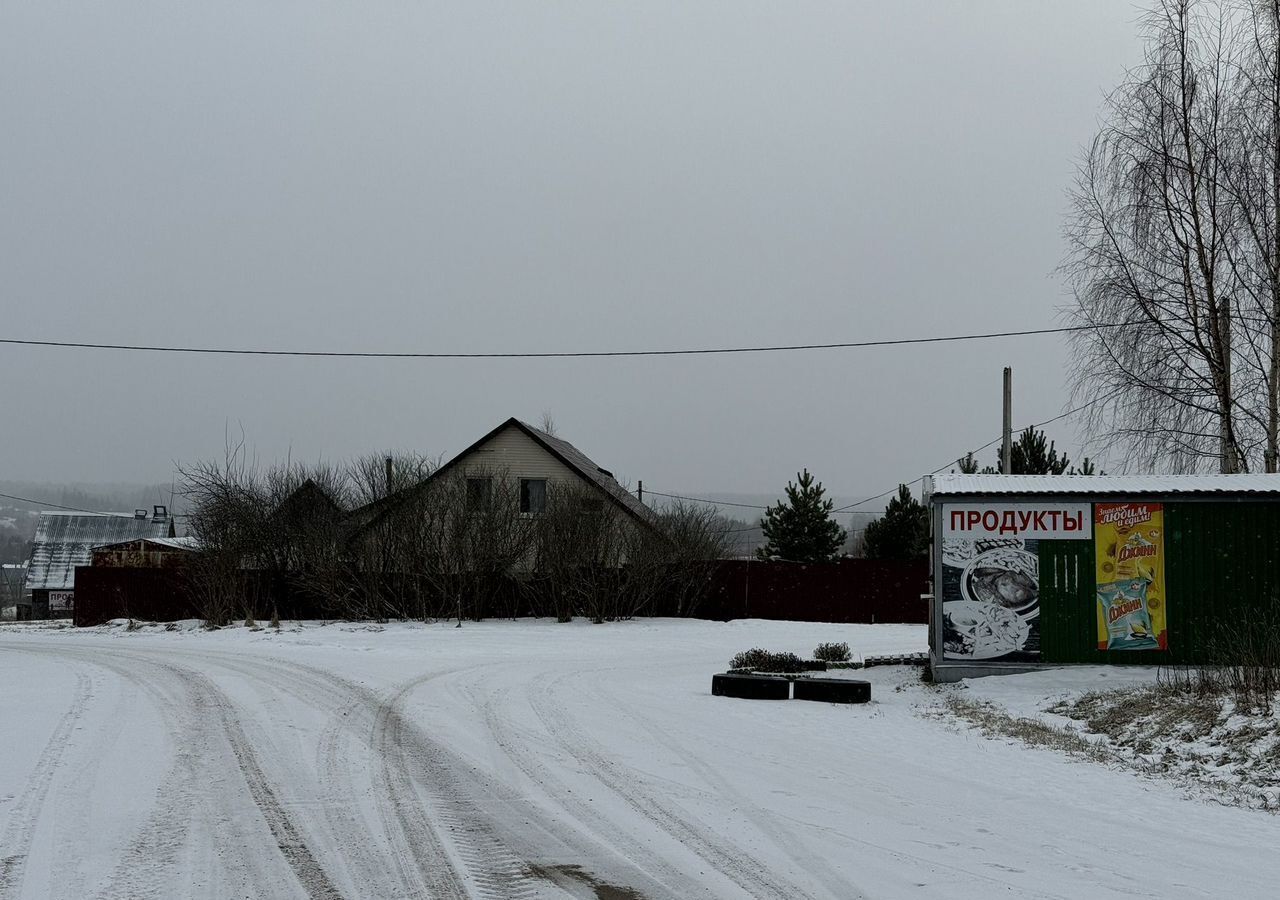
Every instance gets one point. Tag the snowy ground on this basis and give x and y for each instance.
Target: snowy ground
(1141, 718)
(532, 759)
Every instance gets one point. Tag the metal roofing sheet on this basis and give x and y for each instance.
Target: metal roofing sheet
(187, 542)
(1106, 484)
(66, 540)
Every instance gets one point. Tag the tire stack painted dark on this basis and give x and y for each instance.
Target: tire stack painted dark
(751, 687)
(833, 690)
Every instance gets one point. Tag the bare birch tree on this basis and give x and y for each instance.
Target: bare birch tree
(1253, 179)
(1152, 233)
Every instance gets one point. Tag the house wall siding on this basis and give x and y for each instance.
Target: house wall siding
(515, 454)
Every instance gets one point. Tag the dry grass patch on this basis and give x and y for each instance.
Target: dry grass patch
(1190, 732)
(994, 722)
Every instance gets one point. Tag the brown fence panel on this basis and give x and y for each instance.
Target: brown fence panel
(163, 595)
(150, 595)
(849, 590)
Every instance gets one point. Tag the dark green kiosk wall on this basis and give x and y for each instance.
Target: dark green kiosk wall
(1221, 577)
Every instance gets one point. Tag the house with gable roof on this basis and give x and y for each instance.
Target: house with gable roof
(537, 462)
(65, 540)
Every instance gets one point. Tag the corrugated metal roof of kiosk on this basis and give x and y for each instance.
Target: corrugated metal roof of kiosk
(955, 485)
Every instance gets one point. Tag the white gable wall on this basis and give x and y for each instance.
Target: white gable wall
(514, 453)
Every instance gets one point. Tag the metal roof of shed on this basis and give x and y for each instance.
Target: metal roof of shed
(186, 542)
(1098, 485)
(66, 540)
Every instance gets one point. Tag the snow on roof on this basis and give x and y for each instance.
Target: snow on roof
(186, 542)
(1092, 485)
(66, 540)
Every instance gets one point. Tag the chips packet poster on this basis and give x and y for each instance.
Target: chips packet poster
(1129, 543)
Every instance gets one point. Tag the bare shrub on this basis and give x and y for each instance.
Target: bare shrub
(580, 542)
(227, 518)
(257, 529)
(694, 540)
(1248, 661)
(758, 660)
(832, 652)
(382, 538)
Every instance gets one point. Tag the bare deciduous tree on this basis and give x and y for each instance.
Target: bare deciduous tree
(1252, 177)
(1175, 245)
(1151, 234)
(375, 541)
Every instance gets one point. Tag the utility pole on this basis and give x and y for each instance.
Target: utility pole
(640, 491)
(1006, 447)
(389, 468)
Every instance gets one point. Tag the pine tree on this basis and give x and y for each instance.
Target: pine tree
(1035, 454)
(1086, 468)
(802, 529)
(902, 532)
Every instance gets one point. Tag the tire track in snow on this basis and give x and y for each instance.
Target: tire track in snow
(289, 839)
(351, 710)
(19, 830)
(152, 855)
(515, 746)
(74, 802)
(198, 717)
(733, 862)
(781, 836)
(433, 801)
(434, 852)
(333, 765)
(496, 871)
(208, 698)
(789, 843)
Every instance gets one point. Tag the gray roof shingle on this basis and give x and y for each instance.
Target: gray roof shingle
(584, 466)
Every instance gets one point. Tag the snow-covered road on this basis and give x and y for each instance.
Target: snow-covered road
(532, 759)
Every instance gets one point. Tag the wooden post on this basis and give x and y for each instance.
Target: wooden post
(1006, 449)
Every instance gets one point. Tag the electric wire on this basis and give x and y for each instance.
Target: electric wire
(550, 354)
(883, 494)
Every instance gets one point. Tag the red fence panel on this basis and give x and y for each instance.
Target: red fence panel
(848, 590)
(149, 595)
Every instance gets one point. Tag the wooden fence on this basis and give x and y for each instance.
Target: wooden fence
(854, 590)
(849, 590)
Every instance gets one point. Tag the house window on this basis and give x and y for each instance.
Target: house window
(478, 490)
(533, 495)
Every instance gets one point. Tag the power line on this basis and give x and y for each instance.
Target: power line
(883, 494)
(47, 505)
(568, 354)
(43, 505)
(704, 500)
(1070, 412)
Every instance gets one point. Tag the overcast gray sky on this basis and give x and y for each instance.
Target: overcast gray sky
(539, 176)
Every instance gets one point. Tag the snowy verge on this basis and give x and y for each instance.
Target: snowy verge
(1135, 719)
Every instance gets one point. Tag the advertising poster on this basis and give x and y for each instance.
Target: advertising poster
(991, 575)
(1129, 547)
